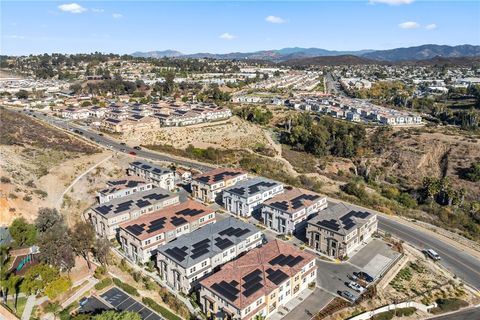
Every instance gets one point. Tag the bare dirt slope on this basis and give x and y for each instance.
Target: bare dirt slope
(231, 134)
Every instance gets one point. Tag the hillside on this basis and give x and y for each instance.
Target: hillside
(330, 61)
(427, 51)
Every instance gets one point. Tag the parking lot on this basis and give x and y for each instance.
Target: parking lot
(119, 300)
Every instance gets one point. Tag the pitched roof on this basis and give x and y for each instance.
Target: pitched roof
(150, 167)
(120, 184)
(250, 187)
(166, 219)
(217, 175)
(293, 200)
(208, 241)
(257, 273)
(341, 218)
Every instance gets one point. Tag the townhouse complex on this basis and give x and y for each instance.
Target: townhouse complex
(208, 186)
(140, 238)
(247, 196)
(287, 213)
(191, 257)
(159, 176)
(338, 230)
(107, 217)
(258, 283)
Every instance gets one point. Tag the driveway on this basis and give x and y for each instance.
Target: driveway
(374, 258)
(310, 306)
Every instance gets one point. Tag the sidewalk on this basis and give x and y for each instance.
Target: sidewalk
(27, 312)
(91, 283)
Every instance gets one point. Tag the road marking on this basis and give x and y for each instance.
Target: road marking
(439, 250)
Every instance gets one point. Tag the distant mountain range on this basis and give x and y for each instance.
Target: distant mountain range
(428, 51)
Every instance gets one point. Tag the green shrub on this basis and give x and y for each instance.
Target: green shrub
(447, 305)
(126, 287)
(158, 308)
(387, 315)
(405, 312)
(57, 287)
(100, 272)
(103, 284)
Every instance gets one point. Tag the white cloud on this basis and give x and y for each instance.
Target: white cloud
(96, 10)
(72, 8)
(117, 15)
(392, 2)
(14, 36)
(227, 36)
(274, 19)
(431, 26)
(409, 25)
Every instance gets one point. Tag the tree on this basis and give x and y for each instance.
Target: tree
(22, 232)
(22, 94)
(12, 286)
(83, 240)
(53, 307)
(101, 249)
(115, 315)
(3, 270)
(47, 218)
(473, 173)
(169, 85)
(38, 277)
(57, 287)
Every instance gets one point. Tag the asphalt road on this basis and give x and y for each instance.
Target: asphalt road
(461, 264)
(110, 143)
(469, 314)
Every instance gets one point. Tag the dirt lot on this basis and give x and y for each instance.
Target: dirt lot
(232, 134)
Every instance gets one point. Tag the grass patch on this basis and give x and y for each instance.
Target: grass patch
(302, 162)
(126, 287)
(448, 305)
(21, 302)
(103, 284)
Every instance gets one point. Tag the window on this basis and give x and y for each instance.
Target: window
(225, 254)
(272, 295)
(259, 302)
(232, 250)
(204, 263)
(147, 242)
(193, 269)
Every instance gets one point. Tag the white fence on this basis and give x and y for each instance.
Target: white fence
(367, 315)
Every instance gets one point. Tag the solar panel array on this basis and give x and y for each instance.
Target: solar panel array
(236, 232)
(178, 254)
(218, 177)
(223, 243)
(331, 224)
(249, 187)
(200, 248)
(295, 203)
(149, 167)
(227, 289)
(348, 222)
(283, 260)
(178, 221)
(252, 282)
(190, 212)
(277, 276)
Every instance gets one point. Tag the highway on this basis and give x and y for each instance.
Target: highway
(110, 143)
(459, 263)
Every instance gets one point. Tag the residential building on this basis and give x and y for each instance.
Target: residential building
(193, 256)
(340, 229)
(142, 237)
(75, 114)
(287, 213)
(161, 177)
(97, 112)
(123, 187)
(208, 186)
(107, 217)
(258, 283)
(247, 196)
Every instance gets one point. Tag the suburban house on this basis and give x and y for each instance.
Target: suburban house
(142, 237)
(161, 177)
(123, 187)
(207, 186)
(258, 283)
(287, 213)
(97, 112)
(247, 196)
(75, 114)
(340, 229)
(107, 217)
(133, 123)
(193, 256)
(183, 175)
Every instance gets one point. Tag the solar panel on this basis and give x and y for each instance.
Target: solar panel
(277, 276)
(251, 290)
(176, 221)
(176, 254)
(223, 243)
(241, 232)
(252, 275)
(201, 243)
(135, 229)
(226, 290)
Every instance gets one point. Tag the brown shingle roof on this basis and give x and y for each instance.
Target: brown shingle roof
(293, 200)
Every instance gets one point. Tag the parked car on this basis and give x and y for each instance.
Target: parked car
(363, 275)
(433, 254)
(137, 148)
(83, 301)
(348, 295)
(355, 286)
(123, 143)
(133, 153)
(352, 277)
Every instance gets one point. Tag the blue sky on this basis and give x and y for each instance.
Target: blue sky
(224, 26)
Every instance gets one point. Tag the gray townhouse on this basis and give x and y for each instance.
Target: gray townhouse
(340, 229)
(184, 262)
(107, 217)
(161, 177)
(120, 188)
(288, 212)
(247, 196)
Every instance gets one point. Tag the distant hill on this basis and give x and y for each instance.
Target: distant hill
(158, 54)
(442, 61)
(330, 61)
(428, 51)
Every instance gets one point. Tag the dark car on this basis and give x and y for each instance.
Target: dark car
(123, 143)
(363, 275)
(348, 295)
(133, 153)
(137, 148)
(100, 134)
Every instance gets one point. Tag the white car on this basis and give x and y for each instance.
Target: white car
(355, 286)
